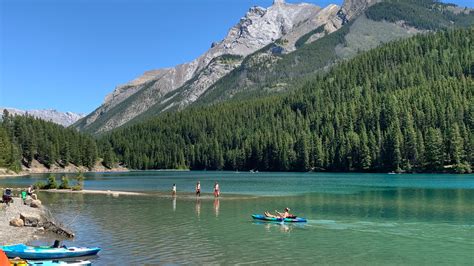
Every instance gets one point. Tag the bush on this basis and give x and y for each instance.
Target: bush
(40, 185)
(463, 168)
(64, 183)
(79, 182)
(52, 184)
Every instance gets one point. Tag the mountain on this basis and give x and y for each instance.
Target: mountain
(258, 28)
(271, 50)
(62, 118)
(405, 106)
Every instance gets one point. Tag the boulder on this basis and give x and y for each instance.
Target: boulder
(36, 204)
(28, 200)
(30, 219)
(17, 222)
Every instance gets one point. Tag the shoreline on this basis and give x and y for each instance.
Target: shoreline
(93, 191)
(23, 173)
(44, 223)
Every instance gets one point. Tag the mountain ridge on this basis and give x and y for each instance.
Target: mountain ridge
(62, 118)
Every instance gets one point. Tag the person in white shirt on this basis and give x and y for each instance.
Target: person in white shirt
(173, 190)
(198, 189)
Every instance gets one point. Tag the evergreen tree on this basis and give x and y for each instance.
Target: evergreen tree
(434, 149)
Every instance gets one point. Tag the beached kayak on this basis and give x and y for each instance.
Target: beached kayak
(21, 262)
(59, 263)
(274, 219)
(46, 253)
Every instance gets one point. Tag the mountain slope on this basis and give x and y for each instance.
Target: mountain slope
(406, 106)
(267, 72)
(258, 28)
(25, 141)
(272, 50)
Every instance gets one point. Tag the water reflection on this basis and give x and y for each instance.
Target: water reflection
(216, 206)
(280, 227)
(174, 204)
(198, 207)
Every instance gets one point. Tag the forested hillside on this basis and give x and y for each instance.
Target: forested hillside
(406, 106)
(24, 139)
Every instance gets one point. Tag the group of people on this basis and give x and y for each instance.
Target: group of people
(217, 191)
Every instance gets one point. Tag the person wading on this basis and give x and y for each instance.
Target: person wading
(198, 189)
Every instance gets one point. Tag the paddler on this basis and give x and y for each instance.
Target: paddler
(285, 214)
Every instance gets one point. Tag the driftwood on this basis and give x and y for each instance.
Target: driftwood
(51, 226)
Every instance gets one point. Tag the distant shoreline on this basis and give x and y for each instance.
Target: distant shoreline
(93, 191)
(35, 171)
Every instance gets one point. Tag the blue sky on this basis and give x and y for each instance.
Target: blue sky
(69, 54)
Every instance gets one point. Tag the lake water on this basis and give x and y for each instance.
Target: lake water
(356, 219)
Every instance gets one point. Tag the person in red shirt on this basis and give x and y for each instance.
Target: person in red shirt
(216, 190)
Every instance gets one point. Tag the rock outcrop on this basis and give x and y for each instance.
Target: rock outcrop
(31, 219)
(36, 204)
(352, 8)
(19, 223)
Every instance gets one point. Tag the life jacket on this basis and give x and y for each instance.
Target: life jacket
(3, 259)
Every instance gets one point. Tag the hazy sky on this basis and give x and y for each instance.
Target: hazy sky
(69, 54)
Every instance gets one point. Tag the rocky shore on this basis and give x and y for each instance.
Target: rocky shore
(22, 223)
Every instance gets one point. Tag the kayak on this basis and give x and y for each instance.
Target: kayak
(59, 263)
(20, 262)
(46, 253)
(274, 219)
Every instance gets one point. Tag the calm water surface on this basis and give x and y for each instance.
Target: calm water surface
(357, 219)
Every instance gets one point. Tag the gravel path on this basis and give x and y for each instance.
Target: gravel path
(15, 235)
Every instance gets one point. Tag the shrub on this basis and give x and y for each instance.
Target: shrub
(463, 168)
(40, 185)
(52, 184)
(79, 182)
(64, 183)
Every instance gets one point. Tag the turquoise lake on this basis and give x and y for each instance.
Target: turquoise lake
(353, 219)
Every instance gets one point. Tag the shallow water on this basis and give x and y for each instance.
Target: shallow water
(352, 219)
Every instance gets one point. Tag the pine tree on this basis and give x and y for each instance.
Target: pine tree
(434, 150)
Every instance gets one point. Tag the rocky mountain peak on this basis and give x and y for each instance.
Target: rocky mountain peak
(352, 8)
(278, 2)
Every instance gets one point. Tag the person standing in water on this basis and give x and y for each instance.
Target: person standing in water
(198, 189)
(216, 190)
(173, 190)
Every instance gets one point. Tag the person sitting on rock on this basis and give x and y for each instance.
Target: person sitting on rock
(31, 192)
